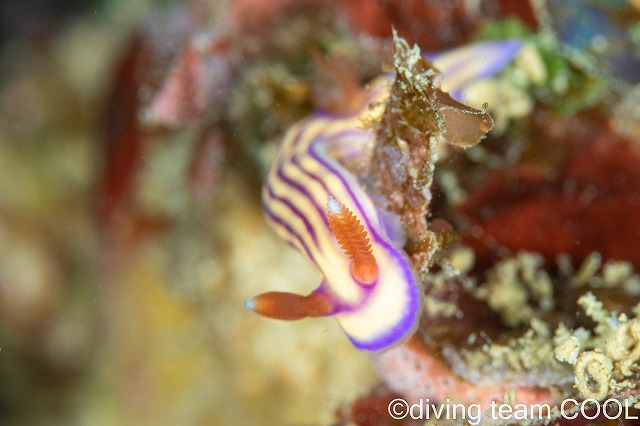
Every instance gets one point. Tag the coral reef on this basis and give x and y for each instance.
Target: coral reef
(134, 145)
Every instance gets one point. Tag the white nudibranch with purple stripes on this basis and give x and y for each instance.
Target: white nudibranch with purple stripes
(318, 206)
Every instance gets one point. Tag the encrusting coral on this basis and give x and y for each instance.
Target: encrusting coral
(417, 116)
(606, 359)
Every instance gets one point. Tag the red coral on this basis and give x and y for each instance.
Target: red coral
(122, 133)
(521, 9)
(434, 25)
(196, 80)
(591, 204)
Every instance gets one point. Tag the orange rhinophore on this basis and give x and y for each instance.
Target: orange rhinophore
(289, 306)
(354, 241)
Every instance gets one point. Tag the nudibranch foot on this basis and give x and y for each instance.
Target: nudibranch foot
(354, 241)
(290, 306)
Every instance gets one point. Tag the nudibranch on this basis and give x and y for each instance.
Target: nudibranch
(319, 207)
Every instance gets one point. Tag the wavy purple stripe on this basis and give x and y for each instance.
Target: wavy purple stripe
(294, 160)
(302, 190)
(287, 148)
(281, 222)
(342, 174)
(271, 219)
(296, 212)
(328, 137)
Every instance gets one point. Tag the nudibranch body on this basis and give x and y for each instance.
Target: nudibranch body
(376, 300)
(303, 180)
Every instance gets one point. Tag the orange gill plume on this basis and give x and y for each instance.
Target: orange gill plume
(354, 241)
(289, 306)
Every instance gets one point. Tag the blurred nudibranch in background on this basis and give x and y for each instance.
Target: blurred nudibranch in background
(319, 207)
